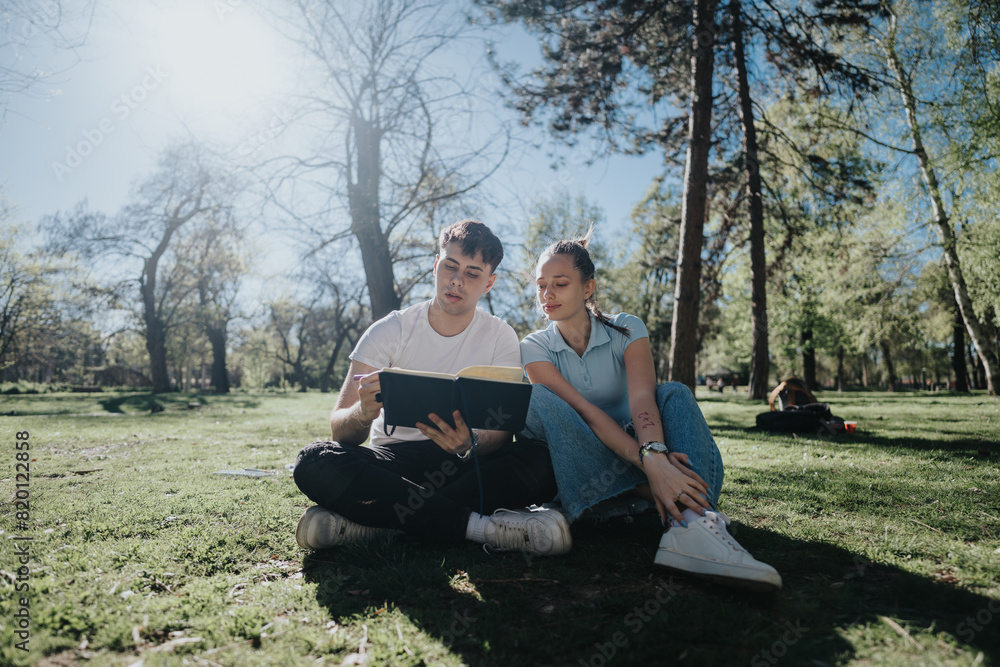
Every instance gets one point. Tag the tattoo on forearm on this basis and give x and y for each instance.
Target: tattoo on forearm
(646, 420)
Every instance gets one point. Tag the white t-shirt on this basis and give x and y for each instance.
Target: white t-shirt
(405, 339)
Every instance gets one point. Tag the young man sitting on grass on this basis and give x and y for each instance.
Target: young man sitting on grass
(423, 481)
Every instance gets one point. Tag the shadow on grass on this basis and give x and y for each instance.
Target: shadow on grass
(963, 446)
(138, 403)
(236, 401)
(120, 403)
(606, 602)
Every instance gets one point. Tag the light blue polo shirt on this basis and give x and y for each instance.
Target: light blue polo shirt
(599, 375)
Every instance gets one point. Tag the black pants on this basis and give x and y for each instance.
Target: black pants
(419, 488)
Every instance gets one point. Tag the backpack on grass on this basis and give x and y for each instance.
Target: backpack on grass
(806, 419)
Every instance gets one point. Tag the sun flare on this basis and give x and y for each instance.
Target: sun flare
(221, 58)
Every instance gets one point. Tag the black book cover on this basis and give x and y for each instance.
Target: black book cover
(409, 396)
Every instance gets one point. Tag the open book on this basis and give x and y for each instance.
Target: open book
(488, 397)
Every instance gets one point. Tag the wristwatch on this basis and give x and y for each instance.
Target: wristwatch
(652, 446)
(475, 443)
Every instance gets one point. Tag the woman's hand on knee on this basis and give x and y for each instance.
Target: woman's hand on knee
(674, 490)
(683, 463)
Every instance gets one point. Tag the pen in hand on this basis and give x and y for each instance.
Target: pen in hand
(356, 378)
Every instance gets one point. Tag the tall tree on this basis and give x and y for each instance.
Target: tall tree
(801, 41)
(759, 360)
(815, 186)
(387, 149)
(607, 63)
(183, 188)
(684, 327)
(214, 259)
(903, 74)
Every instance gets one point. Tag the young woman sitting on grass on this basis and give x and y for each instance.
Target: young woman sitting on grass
(611, 430)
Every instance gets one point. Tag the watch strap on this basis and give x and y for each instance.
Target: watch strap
(652, 446)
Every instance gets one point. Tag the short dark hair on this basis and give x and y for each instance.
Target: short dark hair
(474, 237)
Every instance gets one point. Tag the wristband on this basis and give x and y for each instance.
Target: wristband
(475, 443)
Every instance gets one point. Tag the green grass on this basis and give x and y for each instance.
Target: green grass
(888, 542)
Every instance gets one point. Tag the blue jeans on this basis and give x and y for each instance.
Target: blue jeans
(587, 472)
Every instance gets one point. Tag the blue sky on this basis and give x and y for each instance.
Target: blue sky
(150, 72)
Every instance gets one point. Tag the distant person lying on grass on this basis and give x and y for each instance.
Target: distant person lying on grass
(423, 482)
(612, 430)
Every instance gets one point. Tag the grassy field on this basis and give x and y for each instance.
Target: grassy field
(888, 541)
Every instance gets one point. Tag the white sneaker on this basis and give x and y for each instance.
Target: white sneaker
(565, 536)
(726, 520)
(541, 531)
(321, 529)
(705, 549)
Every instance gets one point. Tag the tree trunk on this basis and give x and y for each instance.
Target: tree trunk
(156, 335)
(958, 354)
(841, 380)
(326, 381)
(366, 224)
(220, 375)
(156, 329)
(156, 346)
(890, 369)
(684, 327)
(808, 359)
(977, 332)
(757, 384)
(977, 367)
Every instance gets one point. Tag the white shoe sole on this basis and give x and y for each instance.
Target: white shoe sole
(731, 574)
(305, 523)
(547, 522)
(315, 524)
(564, 530)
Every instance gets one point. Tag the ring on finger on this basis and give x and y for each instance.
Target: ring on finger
(677, 499)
